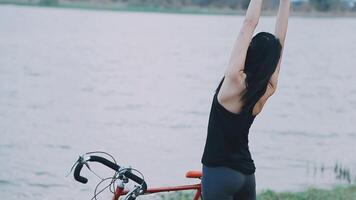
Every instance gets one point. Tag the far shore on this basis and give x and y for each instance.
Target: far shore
(182, 10)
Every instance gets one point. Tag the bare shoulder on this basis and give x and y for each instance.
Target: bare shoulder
(230, 92)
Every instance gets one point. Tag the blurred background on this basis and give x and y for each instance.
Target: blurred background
(221, 6)
(108, 76)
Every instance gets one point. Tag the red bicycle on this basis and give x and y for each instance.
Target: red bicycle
(122, 177)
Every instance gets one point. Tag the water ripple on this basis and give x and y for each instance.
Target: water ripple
(43, 173)
(6, 182)
(305, 134)
(46, 186)
(58, 146)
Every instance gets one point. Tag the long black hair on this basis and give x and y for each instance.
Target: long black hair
(262, 58)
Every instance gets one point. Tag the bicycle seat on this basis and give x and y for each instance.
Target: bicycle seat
(194, 174)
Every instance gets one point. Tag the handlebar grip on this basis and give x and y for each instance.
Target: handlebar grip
(116, 167)
(111, 165)
(105, 162)
(77, 175)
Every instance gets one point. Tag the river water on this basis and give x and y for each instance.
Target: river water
(140, 85)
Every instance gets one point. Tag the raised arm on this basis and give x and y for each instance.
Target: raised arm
(280, 32)
(238, 55)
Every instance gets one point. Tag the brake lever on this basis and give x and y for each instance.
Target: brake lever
(82, 159)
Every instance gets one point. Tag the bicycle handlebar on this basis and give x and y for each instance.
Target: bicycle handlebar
(109, 164)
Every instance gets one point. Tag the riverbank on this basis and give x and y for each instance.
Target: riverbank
(120, 7)
(337, 193)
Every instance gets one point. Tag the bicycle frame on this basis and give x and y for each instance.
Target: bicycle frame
(190, 174)
(120, 191)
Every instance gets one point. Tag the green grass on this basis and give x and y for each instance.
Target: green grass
(337, 193)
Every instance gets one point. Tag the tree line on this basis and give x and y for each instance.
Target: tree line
(298, 5)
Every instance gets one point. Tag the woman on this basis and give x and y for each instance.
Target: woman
(251, 78)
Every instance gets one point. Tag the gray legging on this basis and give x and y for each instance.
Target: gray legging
(222, 183)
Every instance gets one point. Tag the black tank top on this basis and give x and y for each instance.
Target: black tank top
(227, 140)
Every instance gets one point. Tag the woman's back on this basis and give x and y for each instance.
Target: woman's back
(228, 169)
(227, 139)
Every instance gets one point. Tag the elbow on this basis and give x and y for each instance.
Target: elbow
(237, 77)
(272, 87)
